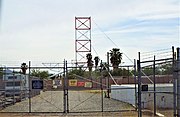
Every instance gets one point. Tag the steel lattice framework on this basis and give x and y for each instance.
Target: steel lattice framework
(82, 39)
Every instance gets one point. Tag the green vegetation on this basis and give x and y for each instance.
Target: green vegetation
(96, 74)
(24, 67)
(96, 59)
(40, 74)
(120, 72)
(115, 57)
(163, 69)
(79, 72)
(89, 61)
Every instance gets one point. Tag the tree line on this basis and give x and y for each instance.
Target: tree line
(115, 60)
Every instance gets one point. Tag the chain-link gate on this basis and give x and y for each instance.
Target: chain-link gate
(90, 94)
(24, 92)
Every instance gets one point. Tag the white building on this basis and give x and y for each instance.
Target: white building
(16, 85)
(126, 93)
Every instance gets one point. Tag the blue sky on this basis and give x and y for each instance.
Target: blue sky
(43, 30)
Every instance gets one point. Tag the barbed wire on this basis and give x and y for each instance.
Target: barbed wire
(165, 56)
(156, 50)
(153, 53)
(157, 54)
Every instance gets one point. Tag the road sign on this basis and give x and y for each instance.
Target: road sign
(37, 84)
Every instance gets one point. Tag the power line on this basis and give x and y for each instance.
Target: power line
(121, 50)
(94, 50)
(111, 40)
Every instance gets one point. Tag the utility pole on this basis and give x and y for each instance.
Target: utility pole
(154, 77)
(139, 86)
(135, 82)
(178, 82)
(29, 83)
(64, 88)
(108, 91)
(174, 66)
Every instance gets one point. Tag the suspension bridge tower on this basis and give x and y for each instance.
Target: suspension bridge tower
(82, 39)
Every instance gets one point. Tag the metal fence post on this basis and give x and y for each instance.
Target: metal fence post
(135, 84)
(101, 93)
(67, 95)
(178, 82)
(64, 86)
(29, 81)
(154, 77)
(174, 84)
(13, 88)
(139, 87)
(108, 91)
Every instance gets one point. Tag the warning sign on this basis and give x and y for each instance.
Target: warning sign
(57, 82)
(81, 84)
(88, 84)
(37, 84)
(72, 82)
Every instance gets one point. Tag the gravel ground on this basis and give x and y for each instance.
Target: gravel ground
(98, 114)
(51, 102)
(79, 101)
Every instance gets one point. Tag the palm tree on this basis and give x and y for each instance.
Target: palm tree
(115, 57)
(96, 59)
(24, 67)
(89, 61)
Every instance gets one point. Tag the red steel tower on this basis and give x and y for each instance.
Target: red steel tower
(82, 39)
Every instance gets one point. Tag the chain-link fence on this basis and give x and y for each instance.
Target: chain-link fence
(156, 82)
(60, 92)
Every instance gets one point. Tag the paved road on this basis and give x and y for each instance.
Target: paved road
(79, 101)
